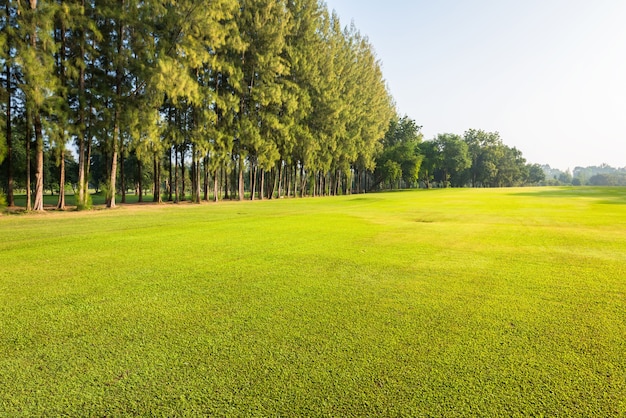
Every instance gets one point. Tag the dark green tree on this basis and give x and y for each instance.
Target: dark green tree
(454, 158)
(402, 145)
(35, 57)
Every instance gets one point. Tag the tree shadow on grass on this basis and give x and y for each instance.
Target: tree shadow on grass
(604, 195)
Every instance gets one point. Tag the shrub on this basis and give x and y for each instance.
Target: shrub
(88, 203)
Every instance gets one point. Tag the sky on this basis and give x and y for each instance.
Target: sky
(548, 75)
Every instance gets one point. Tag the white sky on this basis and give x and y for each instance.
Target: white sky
(549, 75)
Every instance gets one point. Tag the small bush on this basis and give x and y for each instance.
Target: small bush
(87, 205)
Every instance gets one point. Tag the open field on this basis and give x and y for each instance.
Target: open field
(507, 302)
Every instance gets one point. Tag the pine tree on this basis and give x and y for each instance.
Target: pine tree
(7, 41)
(82, 56)
(110, 84)
(35, 57)
(375, 106)
(302, 52)
(60, 126)
(264, 25)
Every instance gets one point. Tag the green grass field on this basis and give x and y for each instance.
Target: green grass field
(508, 302)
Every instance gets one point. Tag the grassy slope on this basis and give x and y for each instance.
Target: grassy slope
(448, 302)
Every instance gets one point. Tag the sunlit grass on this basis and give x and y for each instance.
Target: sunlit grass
(447, 302)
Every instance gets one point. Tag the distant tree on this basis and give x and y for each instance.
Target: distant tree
(565, 177)
(391, 172)
(401, 145)
(454, 158)
(535, 174)
(612, 179)
(430, 162)
(483, 152)
(511, 165)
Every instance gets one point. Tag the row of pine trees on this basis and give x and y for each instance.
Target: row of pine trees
(275, 94)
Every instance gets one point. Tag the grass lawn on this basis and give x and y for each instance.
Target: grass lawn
(504, 302)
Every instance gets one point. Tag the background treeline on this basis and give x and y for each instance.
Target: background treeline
(204, 100)
(475, 159)
(602, 175)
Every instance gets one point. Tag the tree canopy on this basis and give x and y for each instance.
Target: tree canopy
(213, 99)
(190, 90)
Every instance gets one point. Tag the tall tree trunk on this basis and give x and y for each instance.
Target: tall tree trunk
(338, 183)
(302, 180)
(317, 187)
(196, 175)
(205, 186)
(182, 173)
(269, 183)
(38, 203)
(234, 185)
(29, 135)
(192, 176)
(280, 178)
(82, 189)
(110, 198)
(87, 168)
(294, 174)
(140, 179)
(276, 184)
(10, 181)
(61, 61)
(9, 138)
(225, 182)
(317, 190)
(262, 185)
(216, 185)
(119, 71)
(176, 191)
(253, 180)
(294, 180)
(240, 192)
(170, 188)
(156, 174)
(61, 202)
(122, 176)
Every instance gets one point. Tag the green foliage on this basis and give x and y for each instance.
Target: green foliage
(87, 204)
(436, 303)
(391, 172)
(614, 179)
(479, 159)
(265, 90)
(454, 158)
(535, 174)
(401, 146)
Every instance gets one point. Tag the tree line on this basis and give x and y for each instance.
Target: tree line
(602, 175)
(204, 100)
(475, 159)
(247, 97)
